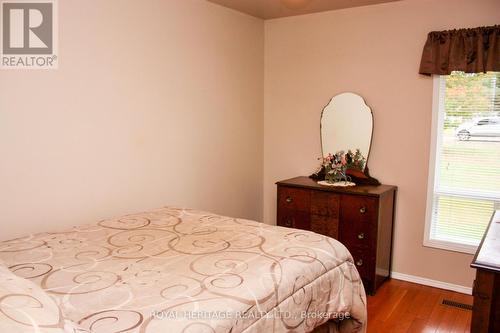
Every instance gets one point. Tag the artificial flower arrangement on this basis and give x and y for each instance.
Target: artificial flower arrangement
(335, 166)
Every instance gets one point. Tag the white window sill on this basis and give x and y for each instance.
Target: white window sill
(450, 246)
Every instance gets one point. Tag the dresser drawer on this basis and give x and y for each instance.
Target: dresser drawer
(359, 234)
(325, 204)
(325, 225)
(294, 219)
(364, 263)
(294, 199)
(358, 209)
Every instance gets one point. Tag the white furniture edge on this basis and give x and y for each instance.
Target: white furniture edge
(432, 283)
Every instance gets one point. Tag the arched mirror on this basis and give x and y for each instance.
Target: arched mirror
(347, 124)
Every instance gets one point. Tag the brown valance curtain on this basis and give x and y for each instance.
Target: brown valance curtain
(469, 50)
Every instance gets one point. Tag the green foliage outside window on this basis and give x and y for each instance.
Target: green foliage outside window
(469, 96)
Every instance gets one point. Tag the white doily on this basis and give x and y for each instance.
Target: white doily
(342, 184)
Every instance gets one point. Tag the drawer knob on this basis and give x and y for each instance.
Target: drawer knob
(359, 262)
(362, 210)
(361, 236)
(289, 199)
(288, 222)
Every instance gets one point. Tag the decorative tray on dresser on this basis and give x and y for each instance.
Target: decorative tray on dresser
(360, 217)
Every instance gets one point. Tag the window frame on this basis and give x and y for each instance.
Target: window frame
(435, 145)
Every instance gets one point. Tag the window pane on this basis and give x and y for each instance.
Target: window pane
(470, 153)
(460, 220)
(470, 165)
(467, 175)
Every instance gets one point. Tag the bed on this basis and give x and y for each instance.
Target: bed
(178, 270)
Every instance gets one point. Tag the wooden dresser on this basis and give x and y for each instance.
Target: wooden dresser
(486, 291)
(361, 217)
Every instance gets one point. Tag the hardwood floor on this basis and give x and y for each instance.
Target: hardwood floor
(400, 306)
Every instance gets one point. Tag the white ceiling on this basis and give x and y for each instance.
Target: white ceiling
(268, 9)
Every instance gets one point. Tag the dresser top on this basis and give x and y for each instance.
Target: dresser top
(488, 253)
(306, 182)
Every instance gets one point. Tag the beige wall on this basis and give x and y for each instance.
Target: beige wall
(375, 52)
(155, 102)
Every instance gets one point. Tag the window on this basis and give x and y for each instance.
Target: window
(464, 170)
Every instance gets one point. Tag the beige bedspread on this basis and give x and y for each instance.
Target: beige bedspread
(178, 270)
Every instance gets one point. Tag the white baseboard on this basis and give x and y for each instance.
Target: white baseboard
(432, 283)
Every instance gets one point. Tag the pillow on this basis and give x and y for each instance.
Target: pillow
(26, 308)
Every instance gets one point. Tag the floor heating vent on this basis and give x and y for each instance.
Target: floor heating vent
(457, 304)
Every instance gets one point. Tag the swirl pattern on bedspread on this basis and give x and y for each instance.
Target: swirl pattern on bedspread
(180, 270)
